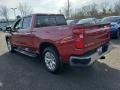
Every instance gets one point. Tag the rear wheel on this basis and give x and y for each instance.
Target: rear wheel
(10, 46)
(52, 60)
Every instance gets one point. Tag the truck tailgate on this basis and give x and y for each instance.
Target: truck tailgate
(96, 35)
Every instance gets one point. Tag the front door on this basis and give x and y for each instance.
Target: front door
(23, 36)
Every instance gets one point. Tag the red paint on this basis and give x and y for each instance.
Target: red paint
(69, 40)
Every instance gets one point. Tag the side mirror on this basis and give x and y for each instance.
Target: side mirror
(8, 29)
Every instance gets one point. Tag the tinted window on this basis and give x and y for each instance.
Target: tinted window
(87, 21)
(45, 21)
(26, 22)
(50, 20)
(60, 20)
(110, 19)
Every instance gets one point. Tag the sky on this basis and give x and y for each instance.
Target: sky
(47, 6)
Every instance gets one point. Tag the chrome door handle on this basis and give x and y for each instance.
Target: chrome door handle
(27, 33)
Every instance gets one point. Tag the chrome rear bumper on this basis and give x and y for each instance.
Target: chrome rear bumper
(88, 60)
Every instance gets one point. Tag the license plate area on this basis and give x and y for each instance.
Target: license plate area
(99, 50)
(102, 49)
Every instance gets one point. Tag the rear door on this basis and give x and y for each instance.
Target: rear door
(24, 34)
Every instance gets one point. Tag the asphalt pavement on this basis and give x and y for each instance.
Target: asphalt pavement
(20, 72)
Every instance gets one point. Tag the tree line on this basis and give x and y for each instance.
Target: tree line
(23, 9)
(93, 10)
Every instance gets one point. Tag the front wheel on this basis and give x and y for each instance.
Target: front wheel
(52, 60)
(10, 46)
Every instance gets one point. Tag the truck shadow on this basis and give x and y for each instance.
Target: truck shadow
(18, 67)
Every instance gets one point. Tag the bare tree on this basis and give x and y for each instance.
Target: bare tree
(67, 10)
(25, 9)
(77, 13)
(89, 10)
(93, 10)
(86, 10)
(104, 7)
(117, 7)
(4, 13)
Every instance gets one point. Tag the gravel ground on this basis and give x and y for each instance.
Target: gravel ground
(19, 72)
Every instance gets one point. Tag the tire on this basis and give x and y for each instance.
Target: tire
(10, 46)
(51, 60)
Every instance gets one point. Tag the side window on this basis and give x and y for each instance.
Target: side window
(52, 21)
(43, 21)
(26, 22)
(60, 20)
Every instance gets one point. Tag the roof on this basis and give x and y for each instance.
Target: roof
(45, 14)
(42, 14)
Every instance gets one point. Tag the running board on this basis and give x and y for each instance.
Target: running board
(26, 53)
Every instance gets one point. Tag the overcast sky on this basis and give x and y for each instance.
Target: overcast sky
(47, 6)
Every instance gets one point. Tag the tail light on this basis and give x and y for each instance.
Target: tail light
(79, 42)
(79, 38)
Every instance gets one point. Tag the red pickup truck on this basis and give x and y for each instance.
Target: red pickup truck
(49, 36)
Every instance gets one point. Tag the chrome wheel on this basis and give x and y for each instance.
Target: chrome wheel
(50, 61)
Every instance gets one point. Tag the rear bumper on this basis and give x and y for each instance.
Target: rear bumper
(88, 60)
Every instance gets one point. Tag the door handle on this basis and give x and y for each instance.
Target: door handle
(27, 33)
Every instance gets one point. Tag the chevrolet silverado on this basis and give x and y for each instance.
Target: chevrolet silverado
(57, 43)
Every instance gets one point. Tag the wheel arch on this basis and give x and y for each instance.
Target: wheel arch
(44, 45)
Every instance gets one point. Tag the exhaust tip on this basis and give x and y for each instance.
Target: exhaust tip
(103, 57)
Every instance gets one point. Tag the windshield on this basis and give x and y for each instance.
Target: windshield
(50, 20)
(69, 22)
(110, 19)
(87, 21)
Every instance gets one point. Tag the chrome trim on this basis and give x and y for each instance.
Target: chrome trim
(93, 57)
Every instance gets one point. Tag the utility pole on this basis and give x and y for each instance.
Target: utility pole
(68, 9)
(14, 9)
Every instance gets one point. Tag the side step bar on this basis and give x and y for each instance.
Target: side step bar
(26, 53)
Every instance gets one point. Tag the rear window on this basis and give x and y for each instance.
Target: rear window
(50, 20)
(60, 20)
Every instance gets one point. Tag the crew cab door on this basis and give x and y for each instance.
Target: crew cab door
(14, 37)
(23, 36)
